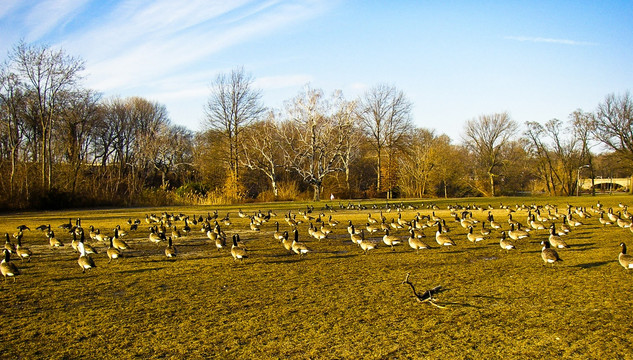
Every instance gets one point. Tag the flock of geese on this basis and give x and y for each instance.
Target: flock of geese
(167, 228)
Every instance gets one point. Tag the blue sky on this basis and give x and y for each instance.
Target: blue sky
(454, 60)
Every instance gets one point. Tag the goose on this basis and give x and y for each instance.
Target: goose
(472, 237)
(372, 228)
(254, 227)
(549, 255)
(8, 245)
(484, 231)
(391, 240)
(278, 235)
(186, 229)
(53, 241)
(226, 221)
(101, 237)
(170, 250)
(371, 220)
(298, 247)
(394, 225)
(536, 225)
(403, 223)
(442, 238)
(511, 221)
(18, 234)
(84, 261)
(357, 237)
(332, 223)
(7, 268)
(604, 221)
(92, 233)
(505, 243)
(318, 234)
(118, 243)
(555, 240)
(89, 249)
(493, 224)
(286, 243)
(517, 234)
(613, 217)
(367, 245)
(576, 223)
(241, 214)
(113, 253)
(42, 227)
(417, 232)
(23, 252)
(415, 243)
(623, 223)
(67, 226)
(22, 227)
(237, 251)
(564, 227)
(154, 237)
(175, 233)
(351, 229)
(626, 260)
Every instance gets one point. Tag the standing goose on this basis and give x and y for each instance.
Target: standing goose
(23, 252)
(472, 237)
(366, 245)
(415, 243)
(53, 241)
(278, 235)
(7, 268)
(357, 237)
(113, 253)
(518, 233)
(484, 231)
(8, 245)
(442, 238)
(298, 247)
(555, 240)
(238, 252)
(170, 250)
(153, 236)
(549, 255)
(118, 243)
(286, 242)
(84, 261)
(604, 221)
(626, 260)
(505, 243)
(493, 224)
(391, 240)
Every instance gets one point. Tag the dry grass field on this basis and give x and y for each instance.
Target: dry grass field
(335, 302)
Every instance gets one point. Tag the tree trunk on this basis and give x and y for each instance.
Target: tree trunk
(317, 190)
(379, 182)
(274, 186)
(492, 184)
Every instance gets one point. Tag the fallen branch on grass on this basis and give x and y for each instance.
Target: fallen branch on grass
(427, 296)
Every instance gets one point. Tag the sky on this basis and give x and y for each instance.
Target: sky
(454, 60)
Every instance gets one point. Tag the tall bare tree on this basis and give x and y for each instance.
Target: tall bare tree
(47, 73)
(313, 147)
(485, 137)
(614, 124)
(12, 107)
(262, 149)
(232, 105)
(385, 114)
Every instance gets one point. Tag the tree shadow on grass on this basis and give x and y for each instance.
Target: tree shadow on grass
(136, 271)
(593, 264)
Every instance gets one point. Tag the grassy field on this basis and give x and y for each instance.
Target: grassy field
(335, 302)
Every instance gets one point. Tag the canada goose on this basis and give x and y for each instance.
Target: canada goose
(186, 229)
(101, 237)
(505, 243)
(511, 221)
(113, 253)
(7, 267)
(371, 220)
(254, 227)
(556, 240)
(326, 229)
(18, 234)
(298, 247)
(518, 233)
(175, 233)
(75, 244)
(226, 221)
(415, 243)
(575, 223)
(356, 237)
(8, 245)
(367, 245)
(317, 234)
(623, 223)
(153, 236)
(564, 227)
(403, 223)
(442, 238)
(278, 235)
(484, 231)
(472, 237)
(42, 227)
(92, 233)
(286, 243)
(54, 242)
(331, 222)
(536, 225)
(604, 221)
(23, 252)
(391, 240)
(67, 226)
(626, 260)
(241, 214)
(417, 231)
(372, 228)
(493, 224)
(393, 224)
(238, 252)
(84, 261)
(118, 243)
(170, 250)
(549, 255)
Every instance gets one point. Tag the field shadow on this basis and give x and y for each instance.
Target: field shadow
(137, 271)
(593, 264)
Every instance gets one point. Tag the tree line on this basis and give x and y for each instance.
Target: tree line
(64, 145)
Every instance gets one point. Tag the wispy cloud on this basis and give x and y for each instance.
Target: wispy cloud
(281, 82)
(49, 15)
(549, 40)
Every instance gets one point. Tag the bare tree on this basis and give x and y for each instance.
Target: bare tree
(418, 162)
(262, 151)
(584, 126)
(233, 105)
(385, 113)
(46, 73)
(485, 137)
(313, 147)
(614, 124)
(12, 107)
